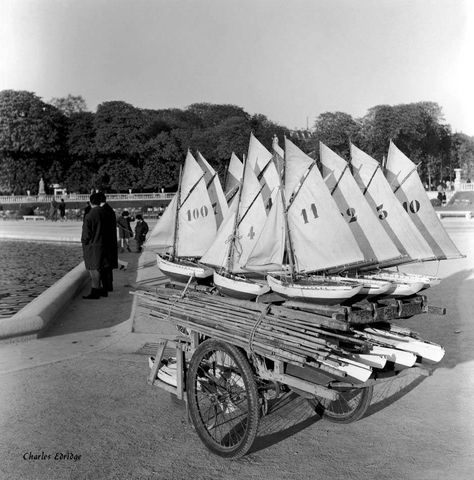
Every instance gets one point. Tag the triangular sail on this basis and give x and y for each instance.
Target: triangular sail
(196, 220)
(251, 216)
(162, 235)
(214, 188)
(261, 161)
(320, 237)
(365, 226)
(233, 177)
(405, 182)
(269, 249)
(395, 220)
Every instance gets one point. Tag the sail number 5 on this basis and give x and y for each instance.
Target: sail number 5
(196, 213)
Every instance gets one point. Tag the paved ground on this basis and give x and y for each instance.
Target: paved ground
(76, 405)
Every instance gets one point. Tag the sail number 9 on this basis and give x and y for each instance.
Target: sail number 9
(196, 213)
(412, 207)
(314, 212)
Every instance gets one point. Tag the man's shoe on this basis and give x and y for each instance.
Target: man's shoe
(94, 295)
(103, 292)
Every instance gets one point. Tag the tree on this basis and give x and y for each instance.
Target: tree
(120, 130)
(80, 177)
(462, 154)
(161, 166)
(32, 138)
(69, 105)
(336, 130)
(81, 135)
(28, 125)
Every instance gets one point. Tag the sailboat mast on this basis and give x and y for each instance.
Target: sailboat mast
(230, 256)
(289, 246)
(176, 220)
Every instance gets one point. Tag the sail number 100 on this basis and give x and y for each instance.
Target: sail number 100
(196, 213)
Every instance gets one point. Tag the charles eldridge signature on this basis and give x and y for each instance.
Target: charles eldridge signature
(52, 456)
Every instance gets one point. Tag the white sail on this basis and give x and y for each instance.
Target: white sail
(251, 216)
(395, 220)
(320, 237)
(162, 235)
(405, 182)
(269, 249)
(218, 252)
(261, 161)
(234, 175)
(371, 237)
(214, 188)
(196, 220)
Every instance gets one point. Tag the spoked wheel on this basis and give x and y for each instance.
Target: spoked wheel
(222, 398)
(350, 406)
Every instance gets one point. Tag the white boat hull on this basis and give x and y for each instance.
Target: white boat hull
(182, 272)
(427, 281)
(325, 290)
(372, 287)
(400, 286)
(239, 287)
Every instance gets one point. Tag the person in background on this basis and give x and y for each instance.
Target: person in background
(141, 229)
(110, 236)
(62, 209)
(94, 240)
(125, 230)
(53, 210)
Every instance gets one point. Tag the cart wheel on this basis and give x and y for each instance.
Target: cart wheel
(349, 407)
(222, 398)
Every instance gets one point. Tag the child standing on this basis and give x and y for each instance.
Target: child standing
(141, 229)
(125, 230)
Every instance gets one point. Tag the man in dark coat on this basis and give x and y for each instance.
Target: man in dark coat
(94, 245)
(141, 229)
(106, 273)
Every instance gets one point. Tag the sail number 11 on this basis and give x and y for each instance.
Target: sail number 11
(314, 212)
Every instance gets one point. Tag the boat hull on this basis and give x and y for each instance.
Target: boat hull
(318, 290)
(401, 285)
(182, 271)
(239, 287)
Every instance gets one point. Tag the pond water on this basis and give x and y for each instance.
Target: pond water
(27, 269)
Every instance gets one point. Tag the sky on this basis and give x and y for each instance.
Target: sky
(290, 60)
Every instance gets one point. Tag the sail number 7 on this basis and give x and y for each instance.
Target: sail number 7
(196, 213)
(314, 212)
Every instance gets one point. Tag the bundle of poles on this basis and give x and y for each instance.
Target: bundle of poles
(272, 331)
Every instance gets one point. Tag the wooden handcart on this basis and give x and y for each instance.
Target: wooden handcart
(228, 374)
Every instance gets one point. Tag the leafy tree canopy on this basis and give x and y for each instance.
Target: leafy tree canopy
(69, 105)
(28, 125)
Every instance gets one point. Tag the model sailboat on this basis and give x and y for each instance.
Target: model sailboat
(402, 175)
(371, 237)
(305, 233)
(393, 217)
(187, 227)
(236, 239)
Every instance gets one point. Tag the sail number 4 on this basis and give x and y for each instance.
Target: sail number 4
(196, 213)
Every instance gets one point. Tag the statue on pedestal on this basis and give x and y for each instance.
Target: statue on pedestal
(41, 191)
